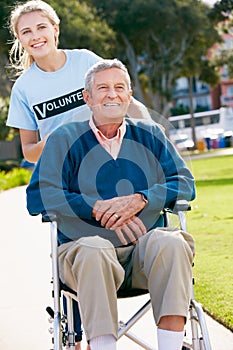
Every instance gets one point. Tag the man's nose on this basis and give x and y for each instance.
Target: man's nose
(112, 92)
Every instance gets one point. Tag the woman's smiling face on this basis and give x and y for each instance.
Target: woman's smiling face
(37, 34)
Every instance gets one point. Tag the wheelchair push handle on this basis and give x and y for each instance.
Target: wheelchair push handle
(49, 217)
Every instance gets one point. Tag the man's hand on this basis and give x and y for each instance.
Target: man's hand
(133, 229)
(115, 212)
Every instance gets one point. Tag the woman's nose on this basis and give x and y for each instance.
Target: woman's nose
(35, 35)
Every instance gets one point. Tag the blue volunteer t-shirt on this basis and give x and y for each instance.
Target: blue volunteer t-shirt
(45, 100)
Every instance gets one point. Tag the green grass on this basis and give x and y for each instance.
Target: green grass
(211, 223)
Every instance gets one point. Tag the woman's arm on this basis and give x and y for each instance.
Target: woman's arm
(138, 110)
(31, 146)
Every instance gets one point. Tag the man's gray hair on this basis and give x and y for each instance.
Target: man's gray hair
(101, 66)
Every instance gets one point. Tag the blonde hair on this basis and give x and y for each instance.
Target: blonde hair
(20, 60)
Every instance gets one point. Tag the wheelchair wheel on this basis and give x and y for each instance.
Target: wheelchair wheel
(200, 336)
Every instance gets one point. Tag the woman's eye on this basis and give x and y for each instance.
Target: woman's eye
(25, 32)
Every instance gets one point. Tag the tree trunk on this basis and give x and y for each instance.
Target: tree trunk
(130, 53)
(192, 120)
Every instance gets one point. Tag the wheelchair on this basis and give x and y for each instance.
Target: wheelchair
(196, 333)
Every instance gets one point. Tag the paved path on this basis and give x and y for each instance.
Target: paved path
(25, 284)
(212, 153)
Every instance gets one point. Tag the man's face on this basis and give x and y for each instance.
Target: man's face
(109, 97)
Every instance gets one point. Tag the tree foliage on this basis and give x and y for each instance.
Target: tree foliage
(221, 10)
(222, 14)
(81, 27)
(158, 40)
(166, 35)
(5, 8)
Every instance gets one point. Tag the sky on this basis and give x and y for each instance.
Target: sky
(210, 2)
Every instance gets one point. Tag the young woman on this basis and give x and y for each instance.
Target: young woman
(48, 91)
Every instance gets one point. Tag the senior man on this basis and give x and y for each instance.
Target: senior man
(108, 179)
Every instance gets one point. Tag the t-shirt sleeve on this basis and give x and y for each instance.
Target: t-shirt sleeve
(20, 116)
(91, 57)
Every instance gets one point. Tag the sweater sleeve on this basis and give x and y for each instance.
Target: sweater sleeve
(49, 190)
(174, 181)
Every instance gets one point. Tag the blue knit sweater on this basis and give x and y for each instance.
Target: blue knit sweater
(75, 171)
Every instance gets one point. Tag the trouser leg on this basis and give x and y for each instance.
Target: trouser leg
(163, 263)
(90, 267)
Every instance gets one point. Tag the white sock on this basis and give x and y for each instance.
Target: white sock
(169, 340)
(103, 342)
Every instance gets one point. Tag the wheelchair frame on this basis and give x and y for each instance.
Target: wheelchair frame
(199, 339)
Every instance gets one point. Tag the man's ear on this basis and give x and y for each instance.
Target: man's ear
(130, 96)
(86, 96)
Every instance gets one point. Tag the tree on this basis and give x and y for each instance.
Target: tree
(221, 10)
(5, 37)
(222, 15)
(155, 38)
(81, 27)
(196, 65)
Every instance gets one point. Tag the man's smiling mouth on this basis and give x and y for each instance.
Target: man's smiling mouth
(111, 104)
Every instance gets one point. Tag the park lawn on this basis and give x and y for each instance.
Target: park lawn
(211, 223)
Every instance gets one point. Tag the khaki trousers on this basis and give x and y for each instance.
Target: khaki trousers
(161, 261)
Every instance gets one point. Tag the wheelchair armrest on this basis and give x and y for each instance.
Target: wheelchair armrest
(180, 205)
(49, 217)
(179, 209)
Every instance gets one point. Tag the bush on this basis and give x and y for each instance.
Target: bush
(14, 178)
(8, 165)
